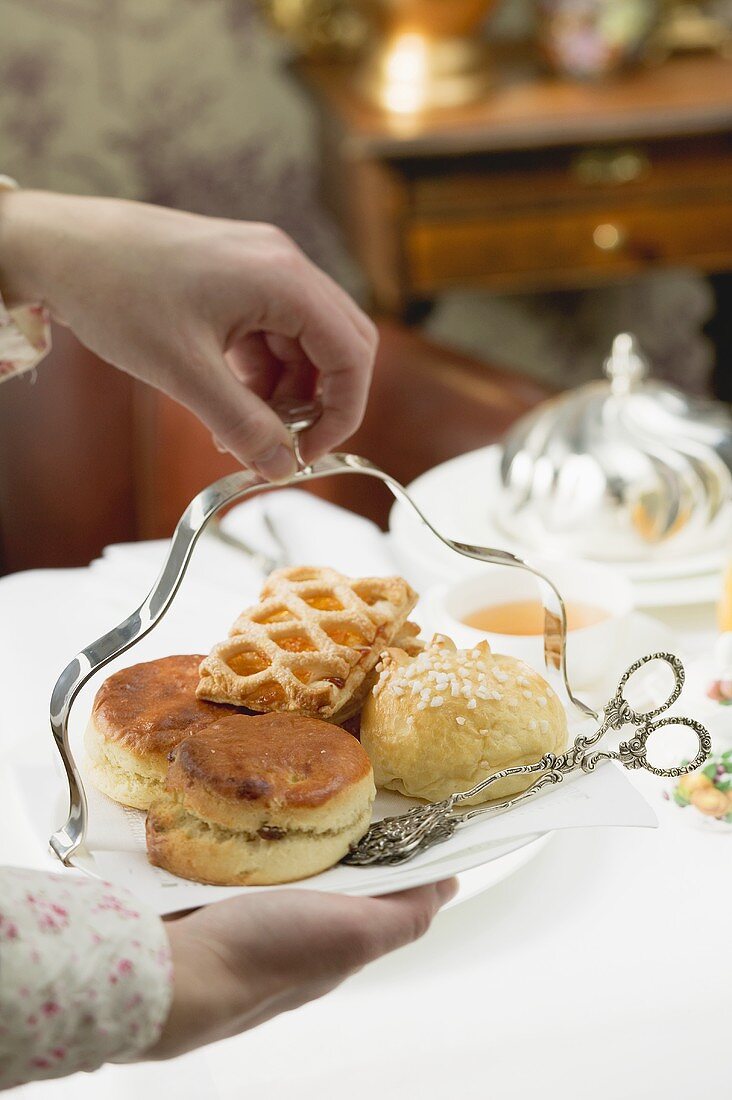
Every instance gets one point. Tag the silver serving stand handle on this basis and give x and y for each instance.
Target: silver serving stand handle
(241, 486)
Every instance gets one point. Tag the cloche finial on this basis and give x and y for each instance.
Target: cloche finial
(626, 365)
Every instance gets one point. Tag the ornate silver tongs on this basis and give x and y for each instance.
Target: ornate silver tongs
(398, 839)
(241, 486)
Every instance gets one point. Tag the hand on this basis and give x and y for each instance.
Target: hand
(221, 315)
(239, 962)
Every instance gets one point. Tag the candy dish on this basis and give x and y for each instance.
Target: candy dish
(66, 841)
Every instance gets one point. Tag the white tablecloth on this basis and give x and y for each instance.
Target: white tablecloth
(601, 969)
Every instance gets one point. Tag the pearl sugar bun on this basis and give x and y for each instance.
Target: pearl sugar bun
(441, 722)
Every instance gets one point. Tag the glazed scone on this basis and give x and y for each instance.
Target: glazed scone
(438, 724)
(139, 715)
(257, 800)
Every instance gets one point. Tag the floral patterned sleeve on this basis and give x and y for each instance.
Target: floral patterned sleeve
(85, 975)
(25, 334)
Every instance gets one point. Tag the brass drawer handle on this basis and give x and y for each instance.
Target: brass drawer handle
(609, 237)
(614, 166)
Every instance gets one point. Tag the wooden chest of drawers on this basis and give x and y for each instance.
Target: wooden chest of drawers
(547, 184)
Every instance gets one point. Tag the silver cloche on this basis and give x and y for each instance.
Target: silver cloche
(620, 469)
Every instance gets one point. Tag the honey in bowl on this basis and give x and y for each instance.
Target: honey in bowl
(526, 617)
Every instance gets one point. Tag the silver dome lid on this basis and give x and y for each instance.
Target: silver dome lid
(620, 469)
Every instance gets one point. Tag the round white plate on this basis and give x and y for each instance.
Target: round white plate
(456, 497)
(479, 865)
(468, 849)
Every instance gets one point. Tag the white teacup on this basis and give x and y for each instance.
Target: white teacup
(588, 648)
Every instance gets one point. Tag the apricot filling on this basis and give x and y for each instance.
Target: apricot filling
(324, 603)
(281, 615)
(296, 644)
(348, 638)
(266, 696)
(369, 598)
(247, 663)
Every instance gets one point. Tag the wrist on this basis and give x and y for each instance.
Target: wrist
(199, 1008)
(21, 247)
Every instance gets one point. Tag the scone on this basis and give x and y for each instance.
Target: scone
(447, 719)
(139, 715)
(261, 799)
(310, 643)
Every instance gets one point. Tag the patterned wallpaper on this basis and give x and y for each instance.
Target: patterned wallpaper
(182, 102)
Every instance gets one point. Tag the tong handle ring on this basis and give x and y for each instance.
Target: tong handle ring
(297, 418)
(633, 753)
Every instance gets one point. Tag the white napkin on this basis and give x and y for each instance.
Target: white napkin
(312, 532)
(308, 531)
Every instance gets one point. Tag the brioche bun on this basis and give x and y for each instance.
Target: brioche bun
(439, 723)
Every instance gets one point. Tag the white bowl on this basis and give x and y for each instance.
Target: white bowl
(588, 648)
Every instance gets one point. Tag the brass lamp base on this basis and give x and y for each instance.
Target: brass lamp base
(412, 72)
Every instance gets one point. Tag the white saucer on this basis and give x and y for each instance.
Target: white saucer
(456, 497)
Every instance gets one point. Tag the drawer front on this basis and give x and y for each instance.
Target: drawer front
(607, 173)
(562, 248)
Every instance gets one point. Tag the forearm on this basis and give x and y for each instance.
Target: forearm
(226, 317)
(42, 239)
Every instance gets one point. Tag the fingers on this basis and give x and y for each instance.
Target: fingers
(298, 379)
(344, 359)
(253, 364)
(299, 302)
(241, 422)
(401, 918)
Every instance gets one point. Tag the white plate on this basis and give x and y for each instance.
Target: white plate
(116, 846)
(481, 864)
(456, 497)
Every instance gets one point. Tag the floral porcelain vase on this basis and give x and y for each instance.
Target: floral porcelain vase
(592, 39)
